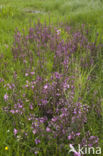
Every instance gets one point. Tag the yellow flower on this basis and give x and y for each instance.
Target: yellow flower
(6, 148)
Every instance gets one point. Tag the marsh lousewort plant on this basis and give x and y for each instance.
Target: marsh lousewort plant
(44, 101)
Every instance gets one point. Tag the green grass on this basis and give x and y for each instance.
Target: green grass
(16, 14)
(13, 14)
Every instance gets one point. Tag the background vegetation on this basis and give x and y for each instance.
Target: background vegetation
(16, 19)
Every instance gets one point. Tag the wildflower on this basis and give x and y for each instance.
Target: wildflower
(48, 129)
(54, 119)
(6, 97)
(34, 131)
(57, 75)
(26, 86)
(31, 106)
(66, 86)
(26, 74)
(46, 86)
(32, 87)
(44, 102)
(90, 145)
(15, 131)
(78, 134)
(32, 73)
(58, 31)
(26, 134)
(69, 137)
(36, 152)
(37, 141)
(24, 61)
(6, 148)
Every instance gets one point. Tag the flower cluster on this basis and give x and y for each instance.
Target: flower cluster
(42, 98)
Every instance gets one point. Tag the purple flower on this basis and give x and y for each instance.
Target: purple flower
(48, 129)
(69, 137)
(26, 134)
(54, 119)
(32, 73)
(34, 131)
(58, 32)
(57, 75)
(36, 152)
(26, 74)
(44, 102)
(31, 106)
(15, 131)
(6, 97)
(37, 141)
(90, 145)
(50, 91)
(12, 111)
(46, 86)
(78, 134)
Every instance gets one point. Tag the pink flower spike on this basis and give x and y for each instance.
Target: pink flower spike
(6, 97)
(26, 74)
(45, 87)
(58, 32)
(34, 131)
(69, 137)
(32, 73)
(15, 131)
(12, 111)
(78, 134)
(48, 129)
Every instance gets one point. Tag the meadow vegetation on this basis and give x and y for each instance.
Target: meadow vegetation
(51, 76)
